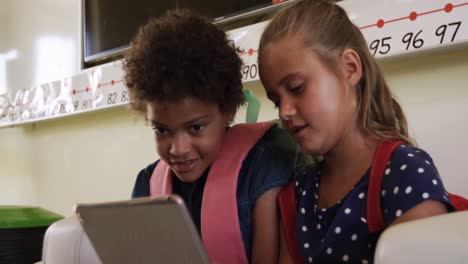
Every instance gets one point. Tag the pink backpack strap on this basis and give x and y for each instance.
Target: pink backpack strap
(220, 226)
(161, 180)
(384, 151)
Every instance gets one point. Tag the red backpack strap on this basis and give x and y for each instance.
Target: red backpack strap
(384, 151)
(288, 210)
(220, 227)
(458, 202)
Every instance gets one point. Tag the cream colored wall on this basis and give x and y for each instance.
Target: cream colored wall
(44, 35)
(95, 157)
(86, 158)
(89, 158)
(16, 184)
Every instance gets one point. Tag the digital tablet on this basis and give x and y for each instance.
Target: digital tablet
(143, 230)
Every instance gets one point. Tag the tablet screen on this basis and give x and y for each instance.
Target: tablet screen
(144, 230)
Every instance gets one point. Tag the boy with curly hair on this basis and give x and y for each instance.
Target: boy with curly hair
(183, 75)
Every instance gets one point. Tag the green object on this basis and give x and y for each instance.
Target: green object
(25, 216)
(253, 106)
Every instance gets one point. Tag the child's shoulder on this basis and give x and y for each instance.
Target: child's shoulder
(410, 165)
(411, 154)
(268, 164)
(409, 179)
(141, 187)
(276, 140)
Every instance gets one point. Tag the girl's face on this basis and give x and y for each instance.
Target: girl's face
(315, 106)
(189, 134)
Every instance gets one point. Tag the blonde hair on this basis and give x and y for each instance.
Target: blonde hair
(327, 30)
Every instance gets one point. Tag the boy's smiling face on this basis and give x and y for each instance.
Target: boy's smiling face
(189, 134)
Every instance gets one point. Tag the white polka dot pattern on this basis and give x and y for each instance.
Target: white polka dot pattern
(327, 234)
(338, 230)
(408, 189)
(345, 258)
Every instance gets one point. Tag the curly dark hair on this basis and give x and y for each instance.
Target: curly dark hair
(182, 54)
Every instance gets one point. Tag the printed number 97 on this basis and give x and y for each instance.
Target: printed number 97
(440, 31)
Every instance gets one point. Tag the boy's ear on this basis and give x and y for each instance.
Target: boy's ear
(352, 68)
(229, 117)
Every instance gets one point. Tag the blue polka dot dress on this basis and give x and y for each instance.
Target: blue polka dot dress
(339, 234)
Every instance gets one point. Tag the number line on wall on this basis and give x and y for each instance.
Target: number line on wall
(100, 85)
(414, 15)
(381, 23)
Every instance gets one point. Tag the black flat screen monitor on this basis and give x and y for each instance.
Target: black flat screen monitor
(109, 25)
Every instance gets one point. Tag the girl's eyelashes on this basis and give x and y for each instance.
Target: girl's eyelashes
(296, 88)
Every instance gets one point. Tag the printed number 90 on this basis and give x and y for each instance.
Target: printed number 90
(249, 71)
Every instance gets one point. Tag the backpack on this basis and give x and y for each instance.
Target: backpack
(288, 207)
(220, 227)
(374, 213)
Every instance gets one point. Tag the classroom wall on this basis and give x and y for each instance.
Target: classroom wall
(17, 186)
(44, 38)
(96, 156)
